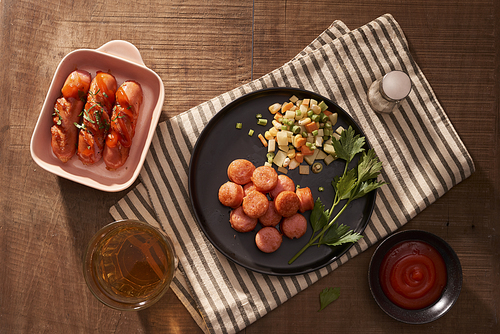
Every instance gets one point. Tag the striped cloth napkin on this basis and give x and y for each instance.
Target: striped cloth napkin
(422, 154)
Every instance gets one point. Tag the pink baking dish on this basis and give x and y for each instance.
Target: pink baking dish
(123, 60)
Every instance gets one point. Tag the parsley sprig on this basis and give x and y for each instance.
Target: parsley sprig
(352, 184)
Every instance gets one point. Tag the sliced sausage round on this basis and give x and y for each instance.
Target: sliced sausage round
(287, 203)
(247, 188)
(271, 217)
(306, 199)
(268, 239)
(284, 183)
(294, 226)
(240, 171)
(231, 194)
(255, 204)
(240, 221)
(264, 178)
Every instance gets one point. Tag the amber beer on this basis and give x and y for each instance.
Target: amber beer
(129, 265)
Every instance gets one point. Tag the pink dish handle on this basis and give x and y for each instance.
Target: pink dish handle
(123, 49)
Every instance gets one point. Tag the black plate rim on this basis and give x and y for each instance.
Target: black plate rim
(443, 304)
(214, 119)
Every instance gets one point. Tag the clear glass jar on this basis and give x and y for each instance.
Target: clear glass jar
(385, 94)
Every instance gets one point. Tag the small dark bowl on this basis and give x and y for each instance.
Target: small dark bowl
(450, 293)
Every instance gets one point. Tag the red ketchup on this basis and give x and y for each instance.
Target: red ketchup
(413, 275)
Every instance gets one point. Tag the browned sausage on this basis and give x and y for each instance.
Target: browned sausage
(255, 204)
(271, 217)
(123, 121)
(240, 221)
(231, 194)
(264, 178)
(268, 239)
(294, 226)
(247, 188)
(284, 183)
(240, 171)
(67, 113)
(96, 116)
(287, 203)
(306, 199)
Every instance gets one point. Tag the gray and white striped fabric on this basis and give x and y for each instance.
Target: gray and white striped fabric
(422, 154)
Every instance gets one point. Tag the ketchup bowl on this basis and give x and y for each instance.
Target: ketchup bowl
(415, 290)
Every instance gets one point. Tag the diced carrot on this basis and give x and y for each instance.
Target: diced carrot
(277, 116)
(286, 106)
(310, 127)
(263, 140)
(299, 157)
(299, 142)
(327, 112)
(306, 150)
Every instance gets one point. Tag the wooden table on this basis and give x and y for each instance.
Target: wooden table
(202, 49)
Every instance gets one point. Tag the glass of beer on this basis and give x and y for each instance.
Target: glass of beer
(129, 265)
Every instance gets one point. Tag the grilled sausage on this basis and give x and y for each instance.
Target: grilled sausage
(271, 217)
(268, 239)
(294, 226)
(231, 194)
(96, 116)
(305, 198)
(240, 221)
(240, 171)
(264, 178)
(287, 203)
(284, 183)
(123, 122)
(67, 112)
(255, 204)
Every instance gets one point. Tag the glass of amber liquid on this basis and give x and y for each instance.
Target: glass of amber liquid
(129, 265)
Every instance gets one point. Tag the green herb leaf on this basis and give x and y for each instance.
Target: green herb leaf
(318, 216)
(327, 296)
(344, 184)
(348, 145)
(369, 166)
(79, 126)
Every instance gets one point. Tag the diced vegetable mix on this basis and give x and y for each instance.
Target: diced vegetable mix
(301, 131)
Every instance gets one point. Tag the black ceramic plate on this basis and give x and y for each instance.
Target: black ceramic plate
(220, 143)
(451, 290)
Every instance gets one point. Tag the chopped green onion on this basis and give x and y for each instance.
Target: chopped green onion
(296, 129)
(323, 106)
(315, 118)
(258, 115)
(262, 121)
(321, 189)
(284, 127)
(309, 145)
(250, 132)
(239, 125)
(315, 132)
(310, 113)
(298, 113)
(270, 157)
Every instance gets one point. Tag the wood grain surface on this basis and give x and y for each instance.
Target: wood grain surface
(201, 49)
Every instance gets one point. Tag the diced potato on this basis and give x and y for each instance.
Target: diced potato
(321, 155)
(282, 170)
(282, 138)
(291, 153)
(294, 99)
(339, 130)
(336, 135)
(290, 114)
(328, 149)
(321, 132)
(310, 158)
(333, 118)
(271, 145)
(274, 108)
(318, 141)
(305, 102)
(268, 164)
(286, 162)
(283, 148)
(316, 109)
(279, 158)
(313, 102)
(304, 108)
(329, 159)
(293, 164)
(304, 170)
